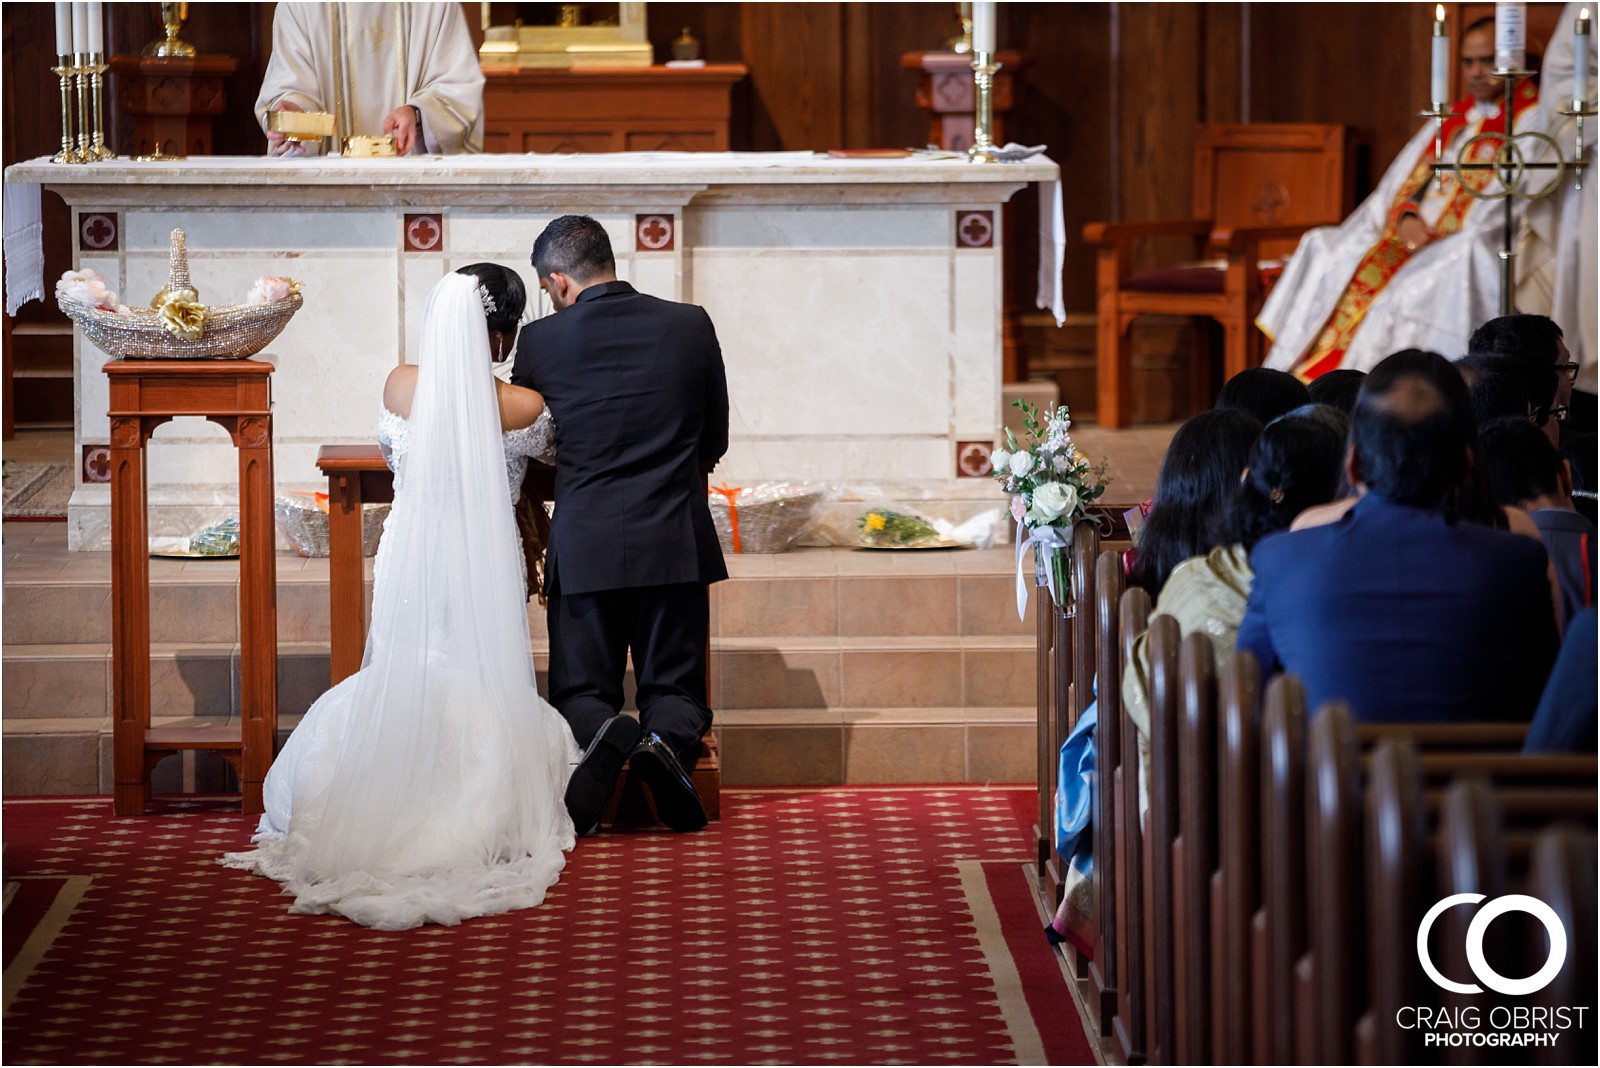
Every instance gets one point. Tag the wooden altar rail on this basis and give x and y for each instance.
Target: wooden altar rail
(1229, 926)
(358, 475)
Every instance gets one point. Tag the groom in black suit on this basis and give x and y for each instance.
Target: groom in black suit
(637, 390)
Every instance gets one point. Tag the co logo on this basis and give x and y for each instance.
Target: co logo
(1475, 932)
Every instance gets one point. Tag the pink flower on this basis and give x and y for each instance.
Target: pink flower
(269, 289)
(86, 287)
(1018, 509)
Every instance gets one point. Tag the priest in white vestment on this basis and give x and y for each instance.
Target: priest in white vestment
(1417, 265)
(1566, 222)
(408, 70)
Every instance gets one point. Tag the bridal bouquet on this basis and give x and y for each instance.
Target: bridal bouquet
(1052, 483)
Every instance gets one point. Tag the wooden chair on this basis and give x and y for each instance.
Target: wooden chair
(1256, 189)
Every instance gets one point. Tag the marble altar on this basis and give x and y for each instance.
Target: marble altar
(857, 300)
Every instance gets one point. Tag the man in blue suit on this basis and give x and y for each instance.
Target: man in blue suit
(1399, 607)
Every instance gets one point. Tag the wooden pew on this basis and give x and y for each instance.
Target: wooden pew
(1423, 843)
(1235, 884)
(1128, 1026)
(1109, 583)
(1195, 851)
(1161, 832)
(1563, 877)
(1278, 929)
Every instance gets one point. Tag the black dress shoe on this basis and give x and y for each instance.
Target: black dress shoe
(677, 801)
(593, 780)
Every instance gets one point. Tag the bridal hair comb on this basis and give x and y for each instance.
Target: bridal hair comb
(485, 299)
(1275, 495)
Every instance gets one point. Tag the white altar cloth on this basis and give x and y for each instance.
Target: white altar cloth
(857, 300)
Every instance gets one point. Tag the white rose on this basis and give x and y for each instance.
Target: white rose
(1051, 501)
(1000, 459)
(1021, 464)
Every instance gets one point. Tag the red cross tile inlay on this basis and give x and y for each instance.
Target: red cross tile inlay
(97, 232)
(424, 233)
(973, 459)
(654, 233)
(975, 229)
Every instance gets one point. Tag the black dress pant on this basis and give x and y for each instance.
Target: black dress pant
(665, 628)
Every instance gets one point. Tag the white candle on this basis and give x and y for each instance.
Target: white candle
(63, 29)
(983, 27)
(1510, 36)
(1440, 92)
(96, 29)
(1580, 61)
(80, 28)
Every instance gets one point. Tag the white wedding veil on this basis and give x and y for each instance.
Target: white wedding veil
(438, 793)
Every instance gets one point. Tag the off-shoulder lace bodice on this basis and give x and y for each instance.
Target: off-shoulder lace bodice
(531, 442)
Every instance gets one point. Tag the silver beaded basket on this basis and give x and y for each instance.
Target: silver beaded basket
(771, 515)
(231, 332)
(305, 524)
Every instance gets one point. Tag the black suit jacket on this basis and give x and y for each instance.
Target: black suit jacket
(639, 396)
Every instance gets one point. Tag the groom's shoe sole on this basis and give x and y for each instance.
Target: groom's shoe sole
(677, 802)
(593, 780)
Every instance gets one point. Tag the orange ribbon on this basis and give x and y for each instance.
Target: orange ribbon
(733, 509)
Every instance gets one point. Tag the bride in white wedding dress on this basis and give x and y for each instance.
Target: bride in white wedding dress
(427, 787)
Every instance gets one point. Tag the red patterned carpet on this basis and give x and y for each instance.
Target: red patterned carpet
(879, 925)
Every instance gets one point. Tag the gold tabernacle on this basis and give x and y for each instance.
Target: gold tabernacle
(361, 146)
(301, 125)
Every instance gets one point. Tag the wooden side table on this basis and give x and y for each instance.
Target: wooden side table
(945, 91)
(236, 395)
(172, 100)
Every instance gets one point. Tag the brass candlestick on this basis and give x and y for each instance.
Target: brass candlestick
(97, 69)
(63, 70)
(80, 79)
(982, 149)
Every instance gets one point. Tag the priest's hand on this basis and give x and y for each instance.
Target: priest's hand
(1414, 233)
(277, 143)
(405, 124)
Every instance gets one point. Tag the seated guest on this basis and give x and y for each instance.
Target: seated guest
(1296, 463)
(1337, 388)
(1418, 263)
(1399, 607)
(1534, 344)
(1263, 393)
(1527, 472)
(1201, 466)
(1565, 719)
(1496, 387)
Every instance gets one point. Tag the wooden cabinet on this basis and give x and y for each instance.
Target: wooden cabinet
(639, 110)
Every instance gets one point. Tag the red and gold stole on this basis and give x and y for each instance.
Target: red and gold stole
(1384, 259)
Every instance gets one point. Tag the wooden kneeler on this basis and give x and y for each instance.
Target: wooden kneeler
(630, 805)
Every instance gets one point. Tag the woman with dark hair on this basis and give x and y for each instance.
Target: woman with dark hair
(1337, 388)
(1198, 473)
(1263, 393)
(428, 786)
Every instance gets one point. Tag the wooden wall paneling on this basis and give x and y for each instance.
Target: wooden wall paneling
(1223, 28)
(1063, 100)
(1159, 100)
(716, 26)
(795, 57)
(1365, 66)
(898, 29)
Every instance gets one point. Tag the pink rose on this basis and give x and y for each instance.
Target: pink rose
(269, 289)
